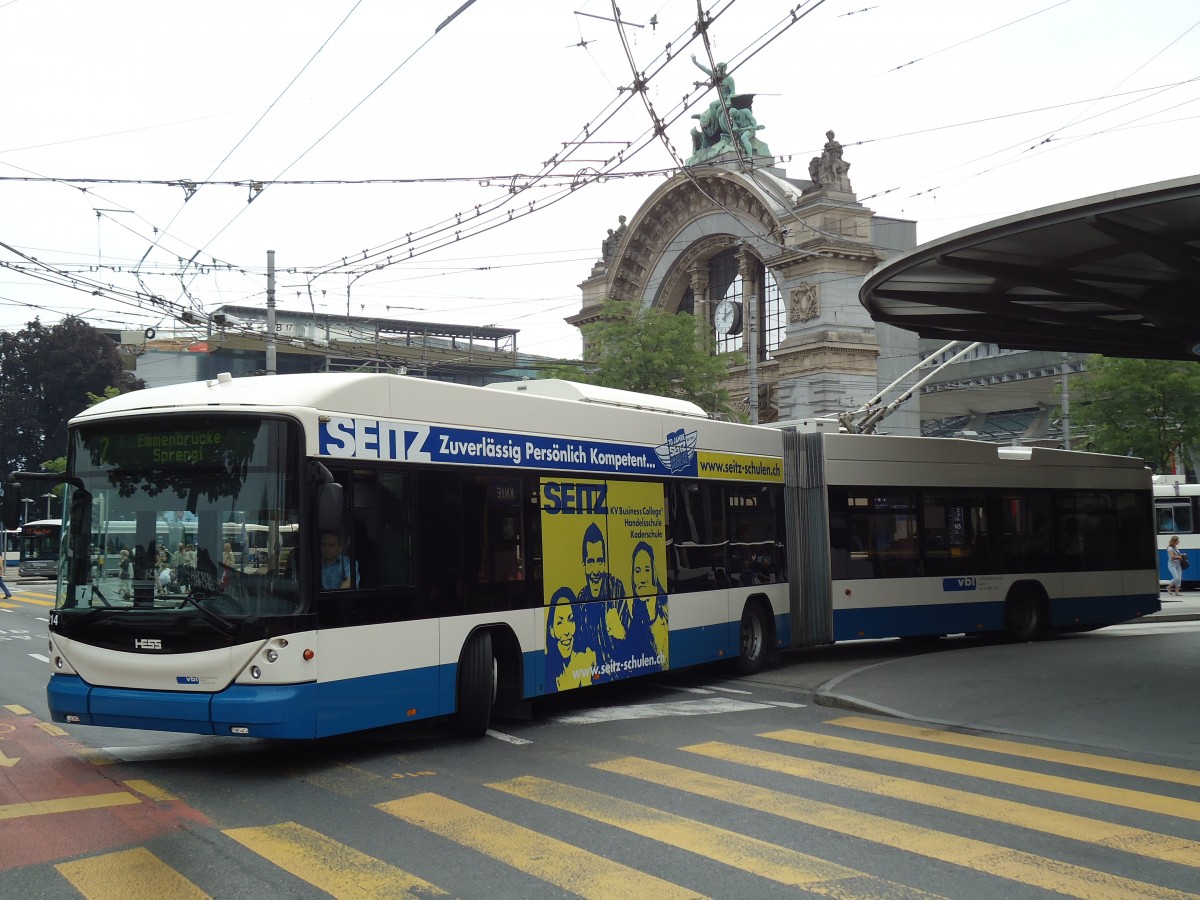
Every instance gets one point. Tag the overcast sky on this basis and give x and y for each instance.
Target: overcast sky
(439, 166)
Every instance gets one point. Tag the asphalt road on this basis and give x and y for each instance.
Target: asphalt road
(1128, 688)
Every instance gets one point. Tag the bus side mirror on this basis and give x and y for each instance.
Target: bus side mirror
(330, 505)
(81, 513)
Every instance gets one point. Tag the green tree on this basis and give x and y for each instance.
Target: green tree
(47, 375)
(1144, 407)
(652, 352)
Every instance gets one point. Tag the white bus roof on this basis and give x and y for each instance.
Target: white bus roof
(327, 390)
(593, 393)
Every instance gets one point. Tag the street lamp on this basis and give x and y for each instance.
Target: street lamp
(48, 497)
(26, 501)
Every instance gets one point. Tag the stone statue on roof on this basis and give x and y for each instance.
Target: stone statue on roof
(831, 170)
(728, 124)
(608, 247)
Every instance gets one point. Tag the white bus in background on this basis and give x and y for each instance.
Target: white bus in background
(1176, 513)
(455, 550)
(40, 542)
(12, 547)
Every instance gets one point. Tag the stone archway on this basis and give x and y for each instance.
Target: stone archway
(687, 217)
(808, 246)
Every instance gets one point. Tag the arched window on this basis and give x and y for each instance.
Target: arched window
(726, 287)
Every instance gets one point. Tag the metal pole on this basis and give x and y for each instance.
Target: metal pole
(1066, 404)
(752, 308)
(750, 289)
(271, 312)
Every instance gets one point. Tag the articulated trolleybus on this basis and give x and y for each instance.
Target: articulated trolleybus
(427, 549)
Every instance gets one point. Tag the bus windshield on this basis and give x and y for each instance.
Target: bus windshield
(196, 512)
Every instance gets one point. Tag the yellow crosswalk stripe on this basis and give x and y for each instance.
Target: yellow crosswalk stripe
(128, 875)
(148, 789)
(329, 865)
(993, 859)
(25, 598)
(1054, 784)
(766, 860)
(1023, 815)
(66, 804)
(563, 865)
(1027, 751)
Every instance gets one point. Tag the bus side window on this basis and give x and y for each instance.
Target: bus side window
(888, 521)
(395, 544)
(753, 557)
(696, 537)
(1175, 518)
(955, 537)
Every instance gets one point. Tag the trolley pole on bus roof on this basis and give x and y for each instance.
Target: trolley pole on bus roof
(270, 312)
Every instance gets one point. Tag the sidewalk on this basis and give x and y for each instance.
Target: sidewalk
(1184, 608)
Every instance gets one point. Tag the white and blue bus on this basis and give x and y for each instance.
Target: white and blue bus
(1175, 513)
(424, 549)
(40, 542)
(12, 546)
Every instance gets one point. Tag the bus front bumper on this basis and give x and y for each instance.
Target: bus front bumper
(241, 710)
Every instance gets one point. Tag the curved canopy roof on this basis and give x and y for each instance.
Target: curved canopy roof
(1117, 274)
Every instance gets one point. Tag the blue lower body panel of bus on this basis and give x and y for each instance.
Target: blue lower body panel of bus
(980, 618)
(1188, 577)
(264, 711)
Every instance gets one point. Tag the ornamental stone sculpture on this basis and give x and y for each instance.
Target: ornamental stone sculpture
(830, 169)
(728, 124)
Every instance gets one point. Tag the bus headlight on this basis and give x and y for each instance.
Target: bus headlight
(255, 672)
(272, 655)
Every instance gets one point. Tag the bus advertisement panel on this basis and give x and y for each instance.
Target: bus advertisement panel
(606, 603)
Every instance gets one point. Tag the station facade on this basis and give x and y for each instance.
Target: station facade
(771, 265)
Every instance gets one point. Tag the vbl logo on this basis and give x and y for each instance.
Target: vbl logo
(964, 583)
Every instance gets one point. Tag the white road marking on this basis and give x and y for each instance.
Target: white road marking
(39, 656)
(711, 707)
(507, 738)
(1140, 628)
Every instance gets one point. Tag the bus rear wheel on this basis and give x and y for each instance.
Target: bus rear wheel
(752, 643)
(1024, 617)
(476, 686)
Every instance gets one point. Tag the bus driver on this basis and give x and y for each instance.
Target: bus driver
(335, 566)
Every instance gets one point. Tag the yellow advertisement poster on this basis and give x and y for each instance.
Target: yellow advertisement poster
(604, 565)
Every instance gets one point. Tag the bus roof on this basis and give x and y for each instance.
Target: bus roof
(594, 393)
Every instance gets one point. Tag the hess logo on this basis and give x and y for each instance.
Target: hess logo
(147, 644)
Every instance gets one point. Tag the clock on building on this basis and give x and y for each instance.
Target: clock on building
(727, 318)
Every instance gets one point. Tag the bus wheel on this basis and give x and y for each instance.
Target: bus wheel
(476, 686)
(1023, 617)
(752, 648)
